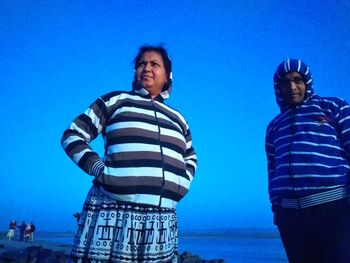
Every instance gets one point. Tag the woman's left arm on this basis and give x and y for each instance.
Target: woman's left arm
(190, 156)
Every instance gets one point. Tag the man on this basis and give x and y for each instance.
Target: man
(22, 227)
(308, 152)
(32, 230)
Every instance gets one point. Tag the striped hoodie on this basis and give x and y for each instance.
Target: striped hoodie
(308, 147)
(148, 154)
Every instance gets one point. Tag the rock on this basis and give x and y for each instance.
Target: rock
(40, 254)
(14, 256)
(187, 257)
(34, 254)
(61, 257)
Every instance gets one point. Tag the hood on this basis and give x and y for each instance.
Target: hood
(292, 65)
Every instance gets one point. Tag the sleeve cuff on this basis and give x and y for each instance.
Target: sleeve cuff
(97, 168)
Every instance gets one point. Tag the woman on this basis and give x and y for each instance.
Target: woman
(12, 228)
(149, 162)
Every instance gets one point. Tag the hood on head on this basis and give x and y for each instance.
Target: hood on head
(292, 65)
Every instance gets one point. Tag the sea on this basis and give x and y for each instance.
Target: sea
(231, 245)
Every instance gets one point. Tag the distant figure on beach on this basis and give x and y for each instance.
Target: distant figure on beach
(22, 228)
(27, 233)
(32, 230)
(130, 212)
(12, 229)
(308, 152)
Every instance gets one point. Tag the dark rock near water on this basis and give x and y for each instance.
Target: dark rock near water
(34, 254)
(39, 254)
(187, 257)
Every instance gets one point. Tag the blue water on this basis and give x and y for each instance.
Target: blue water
(235, 250)
(234, 246)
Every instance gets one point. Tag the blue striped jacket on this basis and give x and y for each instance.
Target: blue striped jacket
(308, 152)
(148, 158)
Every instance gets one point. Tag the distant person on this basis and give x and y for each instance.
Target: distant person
(129, 214)
(22, 228)
(32, 230)
(308, 152)
(12, 228)
(27, 233)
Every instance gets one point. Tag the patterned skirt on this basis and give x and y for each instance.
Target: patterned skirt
(116, 231)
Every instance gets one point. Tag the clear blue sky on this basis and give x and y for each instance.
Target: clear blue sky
(57, 57)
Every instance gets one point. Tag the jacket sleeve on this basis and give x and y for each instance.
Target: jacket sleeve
(190, 156)
(344, 126)
(85, 128)
(270, 153)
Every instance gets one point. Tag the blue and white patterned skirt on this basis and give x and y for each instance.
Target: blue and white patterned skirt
(115, 231)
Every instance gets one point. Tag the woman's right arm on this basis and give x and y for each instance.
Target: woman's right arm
(85, 128)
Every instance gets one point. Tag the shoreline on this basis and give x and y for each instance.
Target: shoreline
(58, 244)
(47, 251)
(7, 245)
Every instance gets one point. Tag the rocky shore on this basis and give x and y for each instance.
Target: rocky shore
(48, 252)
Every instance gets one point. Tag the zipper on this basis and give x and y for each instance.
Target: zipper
(293, 132)
(161, 154)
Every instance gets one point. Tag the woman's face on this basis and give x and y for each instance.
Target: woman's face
(150, 73)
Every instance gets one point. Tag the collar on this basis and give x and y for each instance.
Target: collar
(161, 97)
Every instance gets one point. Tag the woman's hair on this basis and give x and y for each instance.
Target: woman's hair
(166, 61)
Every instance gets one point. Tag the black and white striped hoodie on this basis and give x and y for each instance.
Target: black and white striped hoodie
(148, 158)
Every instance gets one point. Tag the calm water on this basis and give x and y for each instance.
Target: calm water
(235, 250)
(234, 246)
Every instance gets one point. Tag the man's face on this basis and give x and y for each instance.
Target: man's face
(292, 88)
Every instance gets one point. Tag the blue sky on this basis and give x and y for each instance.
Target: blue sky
(57, 57)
